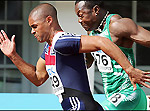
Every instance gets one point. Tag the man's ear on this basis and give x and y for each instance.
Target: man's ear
(49, 19)
(96, 9)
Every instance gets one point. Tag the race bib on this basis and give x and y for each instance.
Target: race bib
(116, 98)
(51, 69)
(56, 81)
(103, 61)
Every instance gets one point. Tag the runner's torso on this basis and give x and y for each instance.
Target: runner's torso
(65, 65)
(117, 86)
(114, 77)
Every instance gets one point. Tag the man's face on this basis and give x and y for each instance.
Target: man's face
(86, 17)
(39, 27)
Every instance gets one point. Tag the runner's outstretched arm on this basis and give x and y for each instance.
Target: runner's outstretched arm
(37, 75)
(101, 43)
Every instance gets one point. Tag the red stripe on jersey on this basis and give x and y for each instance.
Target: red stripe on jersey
(50, 58)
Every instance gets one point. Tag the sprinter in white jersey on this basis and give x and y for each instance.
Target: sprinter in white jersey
(97, 21)
(63, 61)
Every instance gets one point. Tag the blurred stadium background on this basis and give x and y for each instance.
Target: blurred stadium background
(14, 20)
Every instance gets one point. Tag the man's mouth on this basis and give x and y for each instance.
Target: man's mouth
(85, 27)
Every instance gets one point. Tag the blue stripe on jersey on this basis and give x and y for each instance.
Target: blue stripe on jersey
(68, 45)
(43, 55)
(45, 51)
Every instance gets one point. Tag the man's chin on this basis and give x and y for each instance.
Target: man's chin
(87, 29)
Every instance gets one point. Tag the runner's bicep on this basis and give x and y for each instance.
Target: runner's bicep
(88, 44)
(41, 69)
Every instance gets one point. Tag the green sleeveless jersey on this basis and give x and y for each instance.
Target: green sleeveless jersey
(115, 79)
(117, 86)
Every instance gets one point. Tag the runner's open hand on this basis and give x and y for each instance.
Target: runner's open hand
(140, 77)
(7, 46)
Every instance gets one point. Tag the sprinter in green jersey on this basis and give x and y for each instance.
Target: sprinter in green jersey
(117, 85)
(123, 32)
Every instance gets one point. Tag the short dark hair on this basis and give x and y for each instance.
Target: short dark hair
(90, 4)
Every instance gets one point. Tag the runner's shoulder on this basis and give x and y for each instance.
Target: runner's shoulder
(115, 18)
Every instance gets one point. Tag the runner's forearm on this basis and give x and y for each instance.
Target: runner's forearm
(28, 70)
(115, 53)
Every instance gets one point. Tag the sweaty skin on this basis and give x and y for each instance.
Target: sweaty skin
(96, 20)
(125, 35)
(45, 28)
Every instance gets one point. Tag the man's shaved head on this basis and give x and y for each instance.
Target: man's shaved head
(43, 10)
(43, 21)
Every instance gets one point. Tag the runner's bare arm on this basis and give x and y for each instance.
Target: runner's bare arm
(126, 27)
(101, 43)
(37, 75)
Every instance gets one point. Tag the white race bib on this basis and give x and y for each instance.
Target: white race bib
(56, 81)
(103, 61)
(116, 98)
